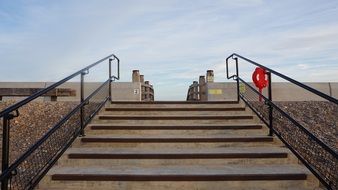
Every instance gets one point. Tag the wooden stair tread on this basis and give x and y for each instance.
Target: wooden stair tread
(181, 173)
(174, 102)
(174, 127)
(176, 138)
(173, 117)
(181, 153)
(174, 109)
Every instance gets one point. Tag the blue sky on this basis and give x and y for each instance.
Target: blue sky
(171, 42)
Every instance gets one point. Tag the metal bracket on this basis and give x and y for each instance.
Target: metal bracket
(111, 59)
(14, 172)
(12, 116)
(114, 78)
(86, 103)
(266, 102)
(85, 72)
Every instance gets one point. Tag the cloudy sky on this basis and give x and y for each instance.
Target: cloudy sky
(171, 42)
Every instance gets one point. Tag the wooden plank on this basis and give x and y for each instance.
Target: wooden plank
(174, 139)
(173, 117)
(175, 102)
(181, 173)
(168, 127)
(175, 109)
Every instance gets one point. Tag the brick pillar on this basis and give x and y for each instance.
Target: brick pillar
(136, 76)
(141, 78)
(203, 89)
(210, 76)
(194, 91)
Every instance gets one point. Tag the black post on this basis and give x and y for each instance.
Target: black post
(110, 80)
(5, 151)
(237, 78)
(270, 106)
(82, 99)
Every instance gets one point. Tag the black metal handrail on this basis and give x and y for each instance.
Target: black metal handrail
(328, 182)
(321, 143)
(47, 89)
(304, 86)
(8, 171)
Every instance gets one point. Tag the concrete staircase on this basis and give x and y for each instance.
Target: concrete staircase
(177, 145)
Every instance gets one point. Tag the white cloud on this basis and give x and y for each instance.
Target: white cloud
(171, 42)
(303, 66)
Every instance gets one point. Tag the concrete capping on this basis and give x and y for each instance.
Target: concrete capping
(136, 76)
(210, 76)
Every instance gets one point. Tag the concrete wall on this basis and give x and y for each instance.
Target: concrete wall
(220, 91)
(126, 91)
(121, 91)
(89, 87)
(280, 91)
(288, 91)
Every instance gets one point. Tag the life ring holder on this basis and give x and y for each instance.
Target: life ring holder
(259, 78)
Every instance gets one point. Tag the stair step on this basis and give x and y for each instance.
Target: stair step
(174, 139)
(173, 117)
(182, 153)
(177, 145)
(140, 109)
(173, 127)
(181, 173)
(174, 102)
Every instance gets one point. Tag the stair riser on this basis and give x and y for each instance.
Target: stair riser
(195, 177)
(173, 145)
(159, 113)
(177, 132)
(176, 122)
(96, 126)
(121, 108)
(185, 139)
(165, 185)
(175, 156)
(175, 106)
(176, 117)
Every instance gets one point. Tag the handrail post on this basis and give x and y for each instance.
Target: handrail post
(5, 150)
(110, 80)
(237, 79)
(82, 134)
(269, 103)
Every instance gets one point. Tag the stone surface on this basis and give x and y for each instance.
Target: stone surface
(35, 119)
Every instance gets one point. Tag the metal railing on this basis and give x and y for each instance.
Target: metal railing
(26, 170)
(314, 153)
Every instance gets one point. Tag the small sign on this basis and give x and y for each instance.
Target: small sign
(136, 91)
(215, 91)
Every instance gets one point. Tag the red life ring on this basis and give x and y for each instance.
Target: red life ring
(259, 78)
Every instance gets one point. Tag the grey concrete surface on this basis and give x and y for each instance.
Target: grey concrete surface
(126, 91)
(218, 91)
(121, 91)
(281, 91)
